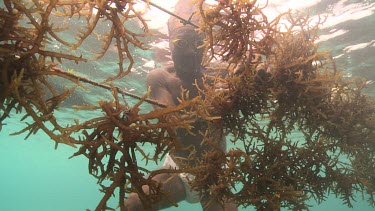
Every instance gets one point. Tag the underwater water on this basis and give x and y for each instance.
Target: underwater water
(36, 177)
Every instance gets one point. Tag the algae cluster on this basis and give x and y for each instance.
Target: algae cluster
(297, 89)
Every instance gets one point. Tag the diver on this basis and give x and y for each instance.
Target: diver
(166, 85)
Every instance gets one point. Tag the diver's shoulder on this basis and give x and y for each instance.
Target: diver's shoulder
(161, 73)
(162, 70)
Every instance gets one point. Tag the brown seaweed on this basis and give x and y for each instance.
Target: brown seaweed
(299, 89)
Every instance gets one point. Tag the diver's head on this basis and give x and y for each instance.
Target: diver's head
(187, 49)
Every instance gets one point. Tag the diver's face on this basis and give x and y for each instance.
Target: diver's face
(187, 49)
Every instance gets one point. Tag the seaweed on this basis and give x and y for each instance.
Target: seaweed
(298, 89)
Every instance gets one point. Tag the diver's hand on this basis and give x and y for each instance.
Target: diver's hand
(221, 102)
(221, 87)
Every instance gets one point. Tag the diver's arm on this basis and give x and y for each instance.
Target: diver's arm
(157, 81)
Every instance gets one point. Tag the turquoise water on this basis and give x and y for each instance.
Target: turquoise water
(36, 177)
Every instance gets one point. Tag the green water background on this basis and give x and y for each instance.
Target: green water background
(36, 177)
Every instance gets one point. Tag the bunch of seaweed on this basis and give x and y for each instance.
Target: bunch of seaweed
(112, 142)
(298, 89)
